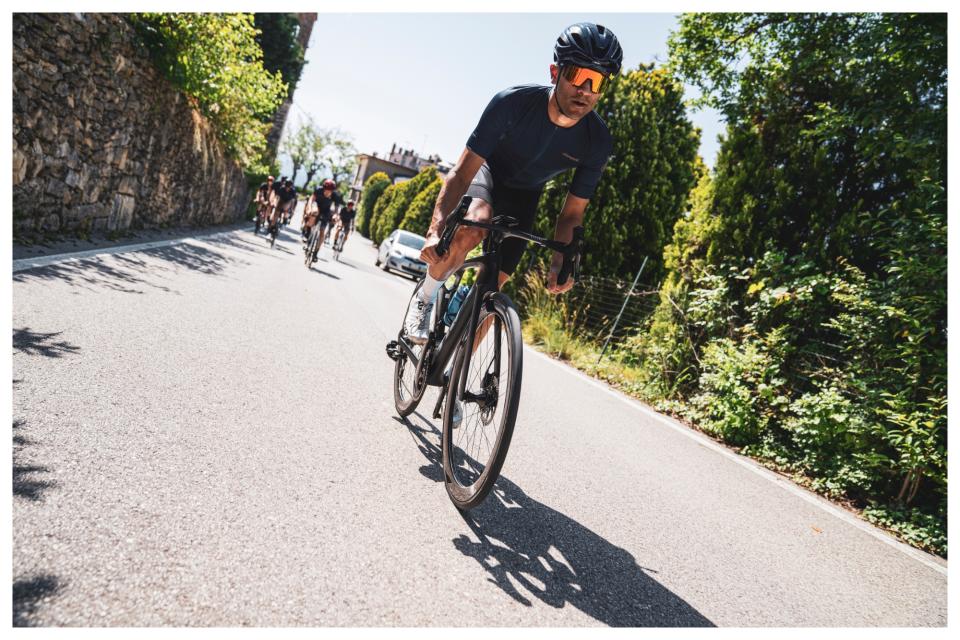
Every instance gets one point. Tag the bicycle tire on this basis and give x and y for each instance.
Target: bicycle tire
(311, 249)
(407, 393)
(459, 465)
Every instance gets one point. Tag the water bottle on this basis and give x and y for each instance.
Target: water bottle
(454, 305)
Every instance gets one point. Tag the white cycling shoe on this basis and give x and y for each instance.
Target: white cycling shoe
(417, 323)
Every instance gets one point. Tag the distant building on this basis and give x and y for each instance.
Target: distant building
(399, 165)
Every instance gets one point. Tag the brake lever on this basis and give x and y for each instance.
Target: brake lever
(571, 258)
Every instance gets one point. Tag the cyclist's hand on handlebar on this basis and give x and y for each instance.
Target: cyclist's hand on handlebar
(555, 267)
(429, 252)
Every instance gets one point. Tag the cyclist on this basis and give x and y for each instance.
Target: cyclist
(345, 222)
(323, 199)
(332, 221)
(526, 135)
(262, 200)
(287, 212)
(283, 198)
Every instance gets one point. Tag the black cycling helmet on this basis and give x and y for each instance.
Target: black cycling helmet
(589, 45)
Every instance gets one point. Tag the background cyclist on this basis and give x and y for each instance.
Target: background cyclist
(527, 135)
(322, 201)
(284, 197)
(345, 222)
(262, 200)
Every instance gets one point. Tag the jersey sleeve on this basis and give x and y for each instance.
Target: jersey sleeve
(492, 126)
(587, 175)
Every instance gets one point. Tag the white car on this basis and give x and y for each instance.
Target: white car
(401, 251)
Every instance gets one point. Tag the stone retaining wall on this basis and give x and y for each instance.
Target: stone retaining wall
(102, 141)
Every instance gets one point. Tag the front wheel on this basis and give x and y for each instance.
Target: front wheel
(475, 446)
(311, 249)
(409, 379)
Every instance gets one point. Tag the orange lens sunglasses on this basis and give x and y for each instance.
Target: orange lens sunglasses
(578, 75)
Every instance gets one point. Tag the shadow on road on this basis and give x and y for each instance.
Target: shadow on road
(316, 269)
(128, 271)
(29, 593)
(41, 344)
(27, 596)
(26, 484)
(529, 549)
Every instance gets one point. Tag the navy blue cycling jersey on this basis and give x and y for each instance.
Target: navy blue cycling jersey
(524, 148)
(325, 204)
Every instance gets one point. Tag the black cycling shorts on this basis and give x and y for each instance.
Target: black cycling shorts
(520, 204)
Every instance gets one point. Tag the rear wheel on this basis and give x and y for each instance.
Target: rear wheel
(475, 447)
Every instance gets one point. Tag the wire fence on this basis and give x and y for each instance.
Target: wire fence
(607, 310)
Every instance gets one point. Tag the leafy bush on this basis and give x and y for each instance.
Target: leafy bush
(420, 212)
(215, 59)
(373, 188)
(389, 217)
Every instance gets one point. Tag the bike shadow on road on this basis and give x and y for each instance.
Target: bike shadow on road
(530, 551)
(317, 269)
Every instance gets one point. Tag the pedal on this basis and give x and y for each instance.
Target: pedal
(394, 351)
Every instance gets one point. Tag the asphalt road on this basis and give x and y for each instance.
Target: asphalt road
(204, 434)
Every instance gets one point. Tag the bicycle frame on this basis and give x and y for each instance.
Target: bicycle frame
(468, 318)
(487, 284)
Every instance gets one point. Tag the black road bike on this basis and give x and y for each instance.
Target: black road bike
(312, 248)
(480, 390)
(262, 210)
(338, 240)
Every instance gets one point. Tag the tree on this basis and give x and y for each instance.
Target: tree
(372, 190)
(282, 52)
(832, 118)
(340, 157)
(301, 147)
(316, 158)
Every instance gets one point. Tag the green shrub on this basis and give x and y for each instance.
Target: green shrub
(215, 58)
(404, 193)
(420, 212)
(373, 188)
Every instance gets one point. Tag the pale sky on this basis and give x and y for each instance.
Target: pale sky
(414, 78)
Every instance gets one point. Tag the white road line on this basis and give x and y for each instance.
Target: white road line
(784, 483)
(45, 261)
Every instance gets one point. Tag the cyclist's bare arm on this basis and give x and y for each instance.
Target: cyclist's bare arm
(454, 187)
(570, 216)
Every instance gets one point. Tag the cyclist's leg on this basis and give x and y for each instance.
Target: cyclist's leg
(520, 205)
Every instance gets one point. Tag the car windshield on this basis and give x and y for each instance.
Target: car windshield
(414, 242)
